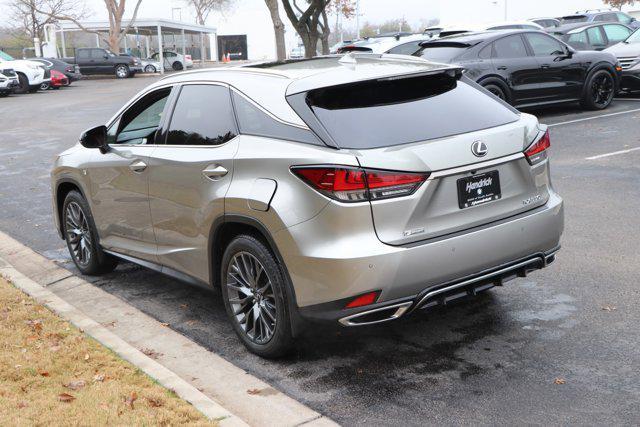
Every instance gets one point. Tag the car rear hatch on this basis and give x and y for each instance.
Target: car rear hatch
(467, 144)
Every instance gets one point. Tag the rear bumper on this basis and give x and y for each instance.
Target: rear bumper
(405, 275)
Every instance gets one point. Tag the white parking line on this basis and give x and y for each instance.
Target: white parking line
(595, 117)
(615, 153)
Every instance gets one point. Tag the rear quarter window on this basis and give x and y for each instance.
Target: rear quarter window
(388, 112)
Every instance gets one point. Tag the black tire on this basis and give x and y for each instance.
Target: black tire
(94, 261)
(599, 90)
(177, 66)
(281, 340)
(149, 69)
(45, 86)
(24, 84)
(122, 71)
(496, 90)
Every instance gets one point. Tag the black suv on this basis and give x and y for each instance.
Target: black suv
(530, 68)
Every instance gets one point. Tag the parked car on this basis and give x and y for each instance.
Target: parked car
(296, 52)
(592, 36)
(264, 182)
(599, 15)
(529, 68)
(31, 74)
(95, 60)
(148, 65)
(511, 25)
(8, 81)
(72, 72)
(335, 47)
(399, 44)
(546, 23)
(628, 53)
(173, 60)
(58, 79)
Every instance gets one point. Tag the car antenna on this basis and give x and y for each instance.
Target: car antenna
(348, 58)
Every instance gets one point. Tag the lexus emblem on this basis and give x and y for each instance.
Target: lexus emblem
(479, 149)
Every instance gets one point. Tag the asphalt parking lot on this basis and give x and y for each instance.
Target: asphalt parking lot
(490, 360)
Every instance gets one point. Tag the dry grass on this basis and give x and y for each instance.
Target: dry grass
(53, 374)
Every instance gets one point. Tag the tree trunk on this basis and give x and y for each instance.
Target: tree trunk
(278, 29)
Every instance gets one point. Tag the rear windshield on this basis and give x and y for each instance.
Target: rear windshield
(574, 19)
(442, 53)
(389, 112)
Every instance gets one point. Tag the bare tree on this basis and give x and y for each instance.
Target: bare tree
(278, 29)
(311, 24)
(115, 11)
(619, 3)
(33, 15)
(203, 8)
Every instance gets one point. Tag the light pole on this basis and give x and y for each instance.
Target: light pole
(357, 19)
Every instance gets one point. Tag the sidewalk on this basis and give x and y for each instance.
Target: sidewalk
(213, 385)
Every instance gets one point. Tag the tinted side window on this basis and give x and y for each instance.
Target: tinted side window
(616, 33)
(510, 47)
(486, 52)
(97, 54)
(406, 49)
(543, 45)
(595, 36)
(83, 54)
(253, 121)
(623, 17)
(203, 115)
(578, 40)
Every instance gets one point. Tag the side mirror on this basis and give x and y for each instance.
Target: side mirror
(95, 138)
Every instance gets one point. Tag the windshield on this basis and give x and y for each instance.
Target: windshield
(387, 112)
(634, 38)
(441, 53)
(5, 56)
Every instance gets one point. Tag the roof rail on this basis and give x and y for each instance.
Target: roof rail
(605, 9)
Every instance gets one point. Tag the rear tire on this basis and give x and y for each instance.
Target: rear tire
(255, 297)
(599, 90)
(149, 69)
(177, 66)
(79, 230)
(45, 86)
(496, 90)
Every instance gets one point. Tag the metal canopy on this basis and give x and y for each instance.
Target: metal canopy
(146, 27)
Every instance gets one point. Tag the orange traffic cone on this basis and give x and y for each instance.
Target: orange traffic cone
(228, 57)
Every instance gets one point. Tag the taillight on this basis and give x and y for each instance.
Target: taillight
(351, 184)
(537, 151)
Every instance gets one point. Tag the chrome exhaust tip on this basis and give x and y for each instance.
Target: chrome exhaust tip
(377, 315)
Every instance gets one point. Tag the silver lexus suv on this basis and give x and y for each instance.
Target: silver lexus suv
(352, 190)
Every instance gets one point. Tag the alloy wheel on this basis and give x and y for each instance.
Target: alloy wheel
(121, 71)
(251, 297)
(602, 89)
(78, 233)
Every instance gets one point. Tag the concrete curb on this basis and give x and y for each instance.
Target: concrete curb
(206, 378)
(152, 368)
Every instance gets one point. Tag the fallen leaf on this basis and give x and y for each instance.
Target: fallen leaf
(36, 325)
(151, 353)
(75, 385)
(111, 324)
(98, 378)
(22, 404)
(154, 403)
(132, 398)
(253, 391)
(608, 308)
(86, 356)
(559, 381)
(43, 373)
(164, 324)
(65, 397)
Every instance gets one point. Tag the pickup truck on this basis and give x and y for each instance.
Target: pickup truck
(95, 60)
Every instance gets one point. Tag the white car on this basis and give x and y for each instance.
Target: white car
(173, 60)
(8, 81)
(450, 30)
(31, 74)
(628, 53)
(400, 44)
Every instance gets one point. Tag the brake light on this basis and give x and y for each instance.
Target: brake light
(537, 151)
(362, 300)
(351, 184)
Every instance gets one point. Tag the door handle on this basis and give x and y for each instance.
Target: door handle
(502, 67)
(138, 166)
(545, 66)
(214, 172)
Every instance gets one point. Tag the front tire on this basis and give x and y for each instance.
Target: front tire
(149, 69)
(177, 66)
(255, 297)
(24, 84)
(599, 90)
(122, 71)
(82, 238)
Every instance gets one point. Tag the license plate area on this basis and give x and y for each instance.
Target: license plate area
(478, 189)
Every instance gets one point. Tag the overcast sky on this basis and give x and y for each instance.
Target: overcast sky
(458, 11)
